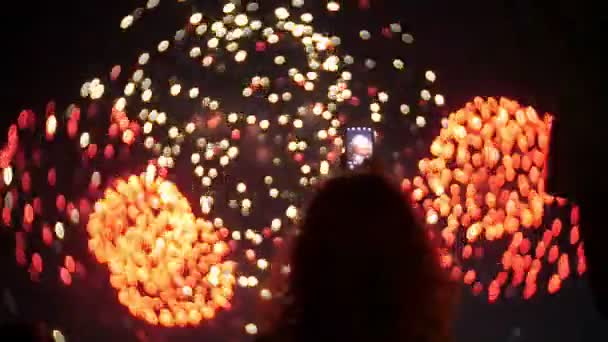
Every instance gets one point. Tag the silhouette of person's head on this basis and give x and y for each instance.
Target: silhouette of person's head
(363, 269)
(22, 331)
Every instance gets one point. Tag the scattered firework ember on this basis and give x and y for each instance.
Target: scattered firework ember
(243, 109)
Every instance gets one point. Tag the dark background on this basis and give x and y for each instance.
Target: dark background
(531, 51)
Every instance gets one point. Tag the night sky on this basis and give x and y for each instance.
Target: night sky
(487, 48)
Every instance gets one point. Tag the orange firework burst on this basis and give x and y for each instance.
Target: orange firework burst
(484, 183)
(166, 264)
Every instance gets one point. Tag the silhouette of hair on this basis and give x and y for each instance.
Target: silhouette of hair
(21, 331)
(363, 269)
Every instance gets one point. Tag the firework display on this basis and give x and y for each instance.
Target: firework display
(145, 231)
(184, 175)
(484, 187)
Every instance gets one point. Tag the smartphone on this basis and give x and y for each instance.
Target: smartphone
(359, 146)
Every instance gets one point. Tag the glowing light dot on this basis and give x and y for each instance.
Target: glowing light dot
(324, 168)
(405, 109)
(262, 264)
(74, 216)
(243, 281)
(152, 4)
(333, 6)
(420, 121)
(129, 89)
(233, 117)
(209, 154)
(264, 124)
(398, 64)
(307, 18)
(201, 29)
(251, 329)
(138, 75)
(273, 39)
(274, 193)
(425, 95)
(126, 22)
(195, 158)
(199, 171)
(149, 142)
(163, 46)
(291, 212)
(322, 134)
(297, 123)
(58, 336)
(196, 18)
(364, 34)
(439, 100)
(240, 56)
(229, 7)
(84, 140)
(241, 20)
(432, 217)
(241, 187)
(59, 230)
(282, 13)
(273, 98)
(176, 89)
(148, 128)
(252, 281)
(265, 294)
(430, 76)
(195, 52)
(120, 104)
(7, 175)
(207, 61)
(256, 25)
(143, 58)
(407, 38)
(252, 7)
(213, 43)
(233, 152)
(194, 92)
(97, 91)
(383, 97)
(173, 132)
(275, 225)
(370, 63)
(146, 96)
(187, 291)
(376, 117)
(279, 60)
